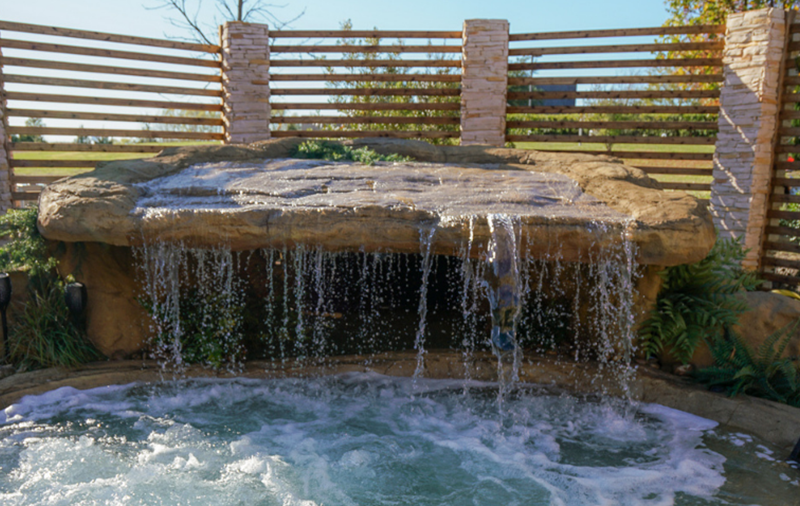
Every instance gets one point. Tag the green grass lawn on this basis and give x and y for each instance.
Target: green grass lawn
(84, 155)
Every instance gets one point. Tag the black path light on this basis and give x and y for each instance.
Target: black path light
(75, 298)
(5, 300)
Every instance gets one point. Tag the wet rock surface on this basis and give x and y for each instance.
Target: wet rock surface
(211, 195)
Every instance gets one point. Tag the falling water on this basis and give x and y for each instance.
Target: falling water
(221, 307)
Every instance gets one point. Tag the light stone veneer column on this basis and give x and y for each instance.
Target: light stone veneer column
(754, 45)
(245, 82)
(484, 82)
(5, 167)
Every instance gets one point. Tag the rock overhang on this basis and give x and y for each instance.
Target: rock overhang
(249, 197)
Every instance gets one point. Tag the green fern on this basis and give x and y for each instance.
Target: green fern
(762, 373)
(697, 301)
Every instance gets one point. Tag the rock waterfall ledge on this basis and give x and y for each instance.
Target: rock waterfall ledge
(568, 206)
(207, 196)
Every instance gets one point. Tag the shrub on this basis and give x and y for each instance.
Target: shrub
(321, 150)
(763, 373)
(697, 301)
(43, 334)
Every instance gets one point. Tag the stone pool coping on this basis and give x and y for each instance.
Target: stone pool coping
(773, 422)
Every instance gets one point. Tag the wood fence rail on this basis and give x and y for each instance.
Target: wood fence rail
(191, 79)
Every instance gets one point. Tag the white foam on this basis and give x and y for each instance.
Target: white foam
(354, 439)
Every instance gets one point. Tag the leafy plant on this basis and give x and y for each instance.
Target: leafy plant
(210, 333)
(43, 334)
(697, 301)
(762, 373)
(321, 150)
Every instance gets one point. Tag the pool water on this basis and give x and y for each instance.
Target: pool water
(365, 439)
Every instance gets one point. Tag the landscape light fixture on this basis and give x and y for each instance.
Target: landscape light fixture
(75, 298)
(5, 300)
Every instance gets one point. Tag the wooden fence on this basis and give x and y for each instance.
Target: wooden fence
(175, 96)
(780, 261)
(372, 86)
(659, 112)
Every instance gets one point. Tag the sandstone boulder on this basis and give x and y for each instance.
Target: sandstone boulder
(570, 202)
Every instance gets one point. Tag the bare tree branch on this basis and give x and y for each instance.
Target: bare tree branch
(189, 19)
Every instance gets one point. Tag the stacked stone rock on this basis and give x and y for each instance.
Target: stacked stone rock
(5, 168)
(754, 45)
(484, 82)
(245, 82)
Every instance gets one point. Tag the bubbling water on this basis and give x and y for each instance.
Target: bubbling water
(369, 439)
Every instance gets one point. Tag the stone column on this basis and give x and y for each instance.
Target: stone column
(484, 82)
(245, 82)
(748, 121)
(5, 150)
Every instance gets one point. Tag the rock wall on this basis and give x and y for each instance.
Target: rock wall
(484, 82)
(245, 82)
(754, 45)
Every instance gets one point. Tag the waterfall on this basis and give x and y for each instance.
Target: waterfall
(220, 307)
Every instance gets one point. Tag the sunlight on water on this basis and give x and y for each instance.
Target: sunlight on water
(370, 440)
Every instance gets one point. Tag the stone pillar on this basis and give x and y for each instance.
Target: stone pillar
(748, 121)
(484, 82)
(245, 82)
(5, 149)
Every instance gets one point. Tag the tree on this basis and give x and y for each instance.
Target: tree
(34, 123)
(391, 91)
(201, 24)
(715, 12)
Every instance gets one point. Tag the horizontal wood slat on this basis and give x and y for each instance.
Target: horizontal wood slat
(108, 37)
(619, 48)
(622, 125)
(105, 85)
(683, 171)
(687, 78)
(367, 34)
(665, 94)
(782, 246)
(174, 120)
(120, 102)
(367, 92)
(366, 120)
(53, 163)
(378, 78)
(614, 139)
(25, 196)
(346, 48)
(365, 63)
(100, 148)
(686, 186)
(615, 109)
(366, 133)
(666, 62)
(107, 69)
(783, 215)
(99, 132)
(625, 32)
(106, 53)
(778, 278)
(278, 106)
(783, 197)
(640, 155)
(785, 181)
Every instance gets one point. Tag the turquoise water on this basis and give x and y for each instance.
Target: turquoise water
(364, 439)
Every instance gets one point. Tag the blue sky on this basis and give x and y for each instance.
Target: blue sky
(133, 17)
